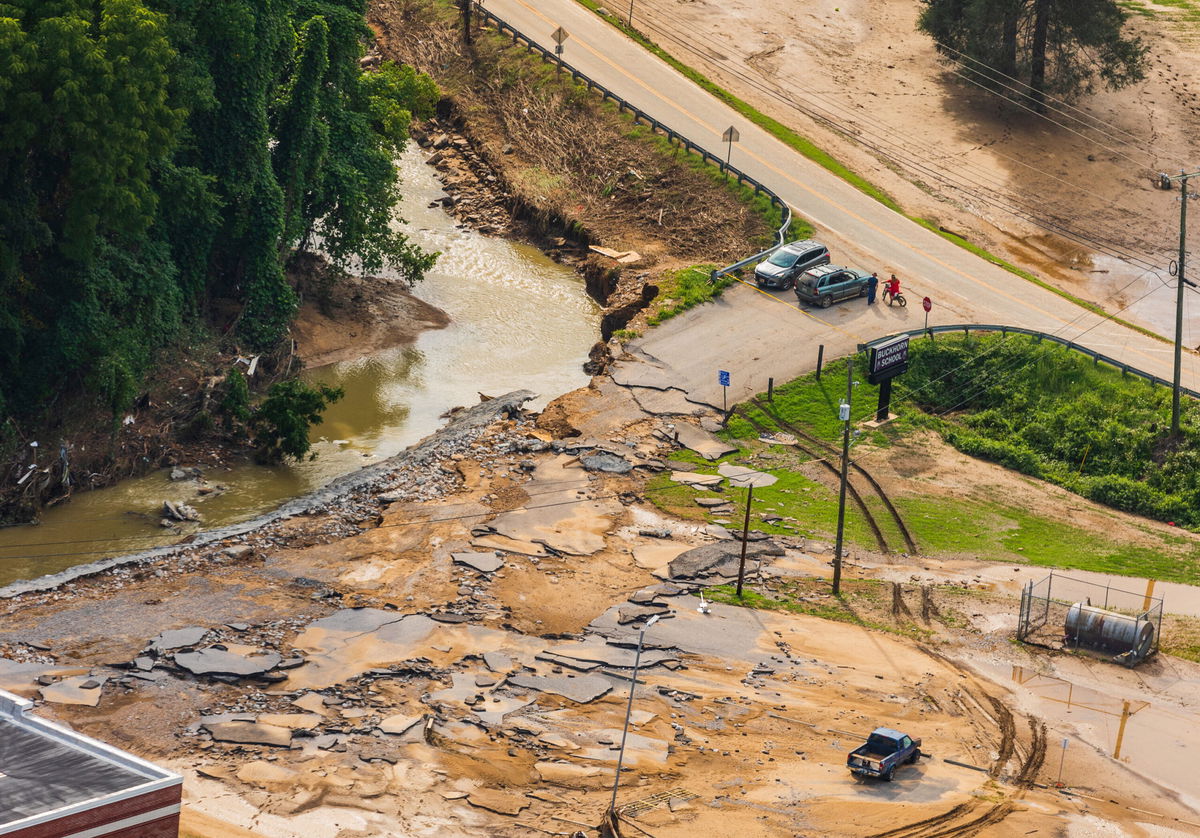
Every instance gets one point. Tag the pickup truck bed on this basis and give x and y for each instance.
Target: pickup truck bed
(883, 751)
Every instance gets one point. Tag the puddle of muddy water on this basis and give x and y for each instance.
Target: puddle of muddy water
(518, 321)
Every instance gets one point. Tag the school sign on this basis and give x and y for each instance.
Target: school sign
(887, 360)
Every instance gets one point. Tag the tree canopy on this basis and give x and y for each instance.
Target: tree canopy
(1029, 49)
(158, 155)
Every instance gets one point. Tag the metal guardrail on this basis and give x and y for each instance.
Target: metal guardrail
(1097, 357)
(640, 117)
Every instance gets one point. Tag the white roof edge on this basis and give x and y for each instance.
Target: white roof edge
(15, 709)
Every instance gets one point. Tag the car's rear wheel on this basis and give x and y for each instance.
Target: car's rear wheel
(825, 301)
(889, 774)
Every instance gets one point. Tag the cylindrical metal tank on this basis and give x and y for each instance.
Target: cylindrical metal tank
(1108, 631)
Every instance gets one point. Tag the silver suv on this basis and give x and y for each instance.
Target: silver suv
(782, 267)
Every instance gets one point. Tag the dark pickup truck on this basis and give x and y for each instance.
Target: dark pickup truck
(884, 750)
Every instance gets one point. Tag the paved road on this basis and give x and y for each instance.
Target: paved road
(755, 335)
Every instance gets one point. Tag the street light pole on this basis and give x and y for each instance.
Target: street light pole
(637, 660)
(844, 415)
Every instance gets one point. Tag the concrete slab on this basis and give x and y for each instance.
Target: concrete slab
(702, 442)
(483, 562)
(692, 478)
(213, 661)
(249, 733)
(179, 638)
(497, 661)
(84, 690)
(672, 402)
(579, 688)
(399, 724)
(595, 651)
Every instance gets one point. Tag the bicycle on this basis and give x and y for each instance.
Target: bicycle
(889, 298)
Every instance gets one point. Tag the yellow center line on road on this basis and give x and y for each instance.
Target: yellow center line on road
(1017, 300)
(797, 307)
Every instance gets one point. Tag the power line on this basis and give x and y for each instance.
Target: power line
(871, 139)
(1134, 140)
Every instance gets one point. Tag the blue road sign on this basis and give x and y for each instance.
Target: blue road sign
(723, 378)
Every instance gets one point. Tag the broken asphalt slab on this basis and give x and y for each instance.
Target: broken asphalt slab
(483, 562)
(702, 442)
(579, 688)
(179, 638)
(249, 733)
(703, 560)
(215, 661)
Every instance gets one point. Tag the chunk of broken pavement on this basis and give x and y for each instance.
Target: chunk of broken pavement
(603, 461)
(483, 562)
(704, 559)
(213, 661)
(691, 478)
(249, 733)
(399, 724)
(581, 689)
(81, 689)
(179, 638)
(497, 661)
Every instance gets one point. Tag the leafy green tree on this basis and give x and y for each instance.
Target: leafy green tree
(87, 113)
(282, 421)
(1056, 47)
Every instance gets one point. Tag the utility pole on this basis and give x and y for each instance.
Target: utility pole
(1164, 182)
(844, 415)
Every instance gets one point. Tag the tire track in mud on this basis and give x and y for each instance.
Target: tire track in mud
(962, 821)
(1008, 735)
(818, 457)
(909, 542)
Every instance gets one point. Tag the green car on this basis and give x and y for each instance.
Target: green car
(826, 284)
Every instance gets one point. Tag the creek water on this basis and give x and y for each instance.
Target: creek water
(518, 321)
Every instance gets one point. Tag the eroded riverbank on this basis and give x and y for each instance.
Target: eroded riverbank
(517, 320)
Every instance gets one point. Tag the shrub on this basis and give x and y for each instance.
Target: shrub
(282, 421)
(235, 406)
(1010, 455)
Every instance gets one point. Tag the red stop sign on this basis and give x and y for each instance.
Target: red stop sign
(927, 304)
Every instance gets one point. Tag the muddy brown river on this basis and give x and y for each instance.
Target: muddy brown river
(518, 321)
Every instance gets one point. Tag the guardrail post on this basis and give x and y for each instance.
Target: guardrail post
(771, 390)
(820, 359)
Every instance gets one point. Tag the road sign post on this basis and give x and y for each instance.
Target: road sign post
(1061, 760)
(559, 36)
(730, 137)
(927, 304)
(723, 380)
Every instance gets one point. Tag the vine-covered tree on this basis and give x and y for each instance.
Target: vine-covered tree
(86, 115)
(158, 156)
(1029, 49)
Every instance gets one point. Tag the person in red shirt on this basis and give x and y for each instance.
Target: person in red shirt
(891, 289)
